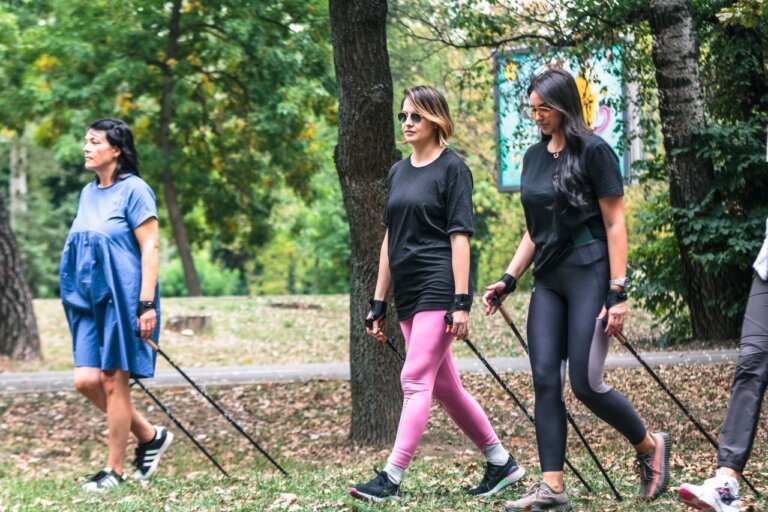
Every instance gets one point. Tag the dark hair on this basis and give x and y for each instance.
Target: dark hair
(557, 88)
(119, 136)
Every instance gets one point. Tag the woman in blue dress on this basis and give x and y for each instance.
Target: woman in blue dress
(108, 279)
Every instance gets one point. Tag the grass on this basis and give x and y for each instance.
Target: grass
(267, 330)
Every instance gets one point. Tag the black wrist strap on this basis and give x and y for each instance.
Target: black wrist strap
(615, 297)
(462, 302)
(144, 306)
(378, 310)
(510, 283)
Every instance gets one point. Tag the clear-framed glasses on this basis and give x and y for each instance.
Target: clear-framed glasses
(540, 111)
(403, 117)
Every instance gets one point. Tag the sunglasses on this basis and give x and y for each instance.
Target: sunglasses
(403, 117)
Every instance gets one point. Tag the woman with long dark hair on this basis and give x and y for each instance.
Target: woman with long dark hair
(108, 279)
(425, 254)
(572, 195)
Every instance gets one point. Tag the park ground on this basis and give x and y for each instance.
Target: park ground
(50, 441)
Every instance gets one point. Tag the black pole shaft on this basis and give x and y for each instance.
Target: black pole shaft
(390, 344)
(568, 416)
(180, 426)
(519, 404)
(624, 341)
(215, 405)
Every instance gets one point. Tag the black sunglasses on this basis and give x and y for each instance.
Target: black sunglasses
(403, 117)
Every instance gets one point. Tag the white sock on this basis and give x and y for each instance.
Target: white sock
(395, 473)
(496, 454)
(726, 477)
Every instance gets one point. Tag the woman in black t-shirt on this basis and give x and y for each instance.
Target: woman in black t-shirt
(425, 255)
(572, 194)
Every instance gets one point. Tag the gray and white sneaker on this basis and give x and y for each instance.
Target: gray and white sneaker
(105, 479)
(148, 454)
(540, 498)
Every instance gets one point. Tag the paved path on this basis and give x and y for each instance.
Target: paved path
(37, 382)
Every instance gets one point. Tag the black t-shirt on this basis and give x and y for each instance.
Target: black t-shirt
(424, 206)
(552, 221)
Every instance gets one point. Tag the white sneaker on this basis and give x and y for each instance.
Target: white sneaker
(148, 454)
(719, 493)
(103, 480)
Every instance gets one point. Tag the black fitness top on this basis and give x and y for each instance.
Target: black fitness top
(424, 206)
(552, 221)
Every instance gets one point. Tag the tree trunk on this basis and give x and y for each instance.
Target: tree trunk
(363, 156)
(17, 184)
(681, 107)
(166, 148)
(18, 328)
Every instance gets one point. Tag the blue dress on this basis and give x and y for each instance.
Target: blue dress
(100, 277)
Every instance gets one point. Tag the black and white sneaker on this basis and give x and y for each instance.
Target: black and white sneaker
(148, 454)
(103, 480)
(377, 490)
(497, 478)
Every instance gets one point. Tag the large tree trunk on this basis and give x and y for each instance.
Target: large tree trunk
(18, 328)
(17, 183)
(166, 147)
(681, 107)
(363, 156)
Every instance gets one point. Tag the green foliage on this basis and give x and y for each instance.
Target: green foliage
(215, 280)
(656, 268)
(310, 251)
(251, 84)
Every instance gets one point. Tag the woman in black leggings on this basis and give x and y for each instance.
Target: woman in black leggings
(572, 195)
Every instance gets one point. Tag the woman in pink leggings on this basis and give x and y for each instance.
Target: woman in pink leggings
(425, 255)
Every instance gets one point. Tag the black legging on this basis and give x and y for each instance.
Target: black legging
(563, 325)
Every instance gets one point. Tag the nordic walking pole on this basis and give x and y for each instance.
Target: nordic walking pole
(215, 405)
(568, 416)
(624, 341)
(180, 426)
(391, 345)
(505, 386)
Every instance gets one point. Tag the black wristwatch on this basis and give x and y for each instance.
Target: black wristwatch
(145, 305)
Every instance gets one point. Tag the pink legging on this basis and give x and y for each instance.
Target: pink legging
(429, 372)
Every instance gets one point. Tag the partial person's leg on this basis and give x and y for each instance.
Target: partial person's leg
(586, 289)
(547, 337)
(501, 469)
(118, 401)
(749, 383)
(89, 384)
(428, 344)
(461, 406)
(721, 492)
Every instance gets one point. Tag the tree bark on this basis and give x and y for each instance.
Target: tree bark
(166, 148)
(17, 184)
(681, 108)
(363, 156)
(18, 329)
